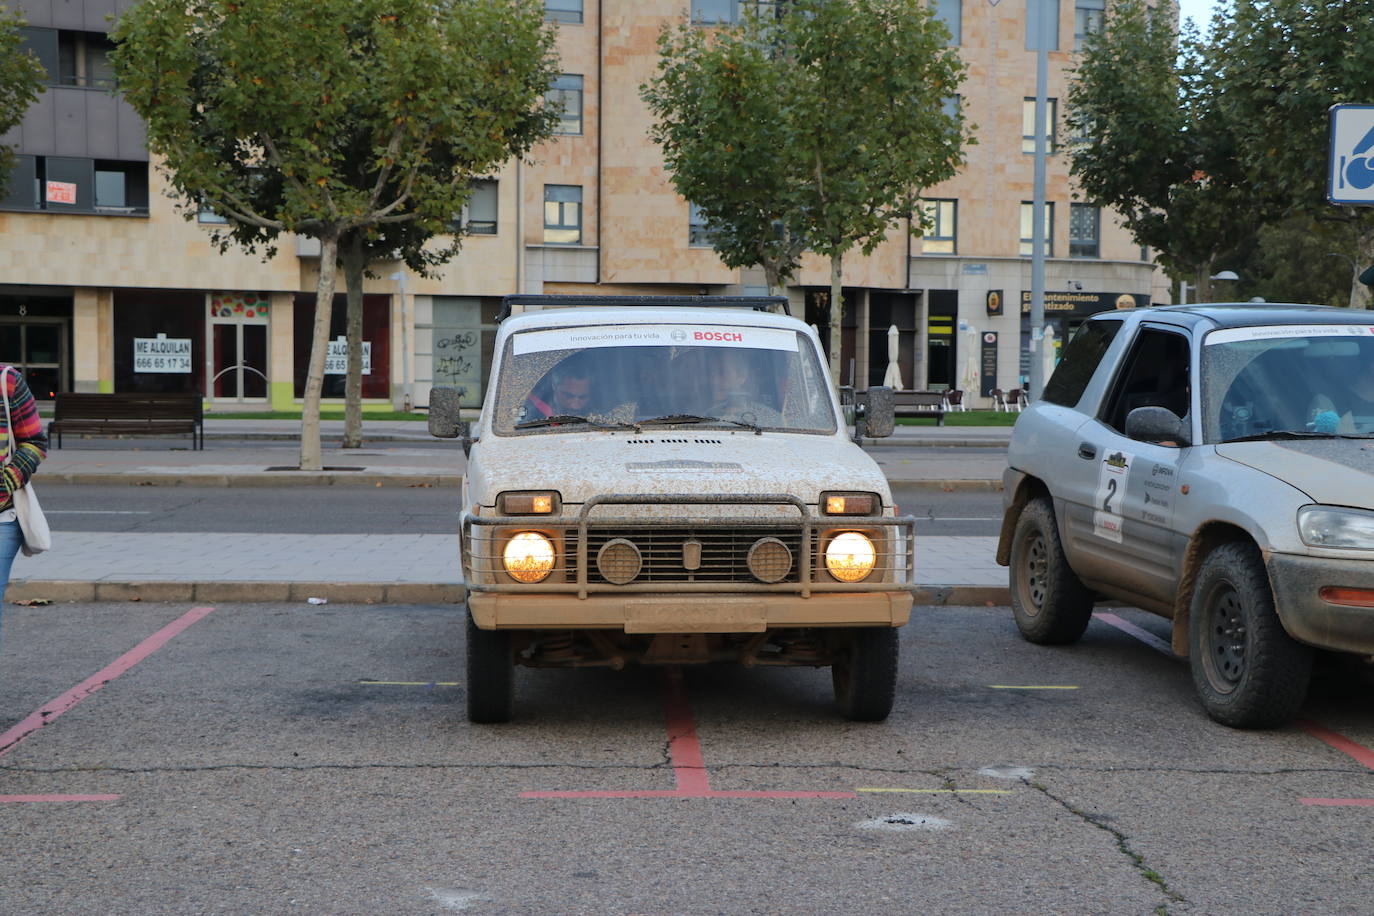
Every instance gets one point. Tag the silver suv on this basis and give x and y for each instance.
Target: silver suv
(1215, 465)
(669, 481)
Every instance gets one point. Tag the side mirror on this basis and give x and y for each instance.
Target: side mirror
(1158, 425)
(443, 414)
(874, 414)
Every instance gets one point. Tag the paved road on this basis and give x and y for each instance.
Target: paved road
(278, 758)
(384, 510)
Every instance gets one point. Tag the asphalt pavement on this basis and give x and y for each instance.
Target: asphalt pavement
(395, 568)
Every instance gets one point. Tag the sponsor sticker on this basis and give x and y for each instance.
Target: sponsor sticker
(654, 335)
(1111, 490)
(1288, 332)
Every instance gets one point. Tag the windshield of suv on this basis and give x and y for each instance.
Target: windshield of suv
(607, 376)
(1287, 381)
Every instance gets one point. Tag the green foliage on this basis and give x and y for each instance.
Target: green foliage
(815, 129)
(319, 117)
(21, 79)
(1155, 145)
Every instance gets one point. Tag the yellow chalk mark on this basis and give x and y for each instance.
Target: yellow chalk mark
(941, 791)
(367, 683)
(1032, 687)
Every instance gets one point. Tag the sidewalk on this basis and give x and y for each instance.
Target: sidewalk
(419, 568)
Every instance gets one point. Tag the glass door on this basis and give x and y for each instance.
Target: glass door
(237, 351)
(36, 347)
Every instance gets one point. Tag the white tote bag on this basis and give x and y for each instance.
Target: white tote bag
(32, 522)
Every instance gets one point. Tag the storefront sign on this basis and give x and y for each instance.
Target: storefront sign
(162, 354)
(61, 192)
(1084, 303)
(336, 359)
(994, 302)
(988, 364)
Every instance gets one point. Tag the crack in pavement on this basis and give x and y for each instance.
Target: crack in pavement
(1123, 845)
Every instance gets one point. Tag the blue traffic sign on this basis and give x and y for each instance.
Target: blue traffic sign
(1350, 169)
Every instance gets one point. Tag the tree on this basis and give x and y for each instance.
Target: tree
(816, 128)
(21, 79)
(1279, 65)
(1155, 147)
(404, 102)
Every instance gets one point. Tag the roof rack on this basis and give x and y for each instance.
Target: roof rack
(527, 302)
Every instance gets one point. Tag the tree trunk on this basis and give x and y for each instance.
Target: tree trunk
(319, 344)
(836, 314)
(1359, 293)
(355, 263)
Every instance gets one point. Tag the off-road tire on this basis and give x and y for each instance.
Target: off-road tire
(1051, 606)
(865, 674)
(1249, 673)
(490, 675)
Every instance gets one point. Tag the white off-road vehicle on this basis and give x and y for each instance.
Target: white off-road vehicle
(670, 481)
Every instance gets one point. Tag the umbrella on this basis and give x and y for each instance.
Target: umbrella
(893, 378)
(968, 379)
(1048, 354)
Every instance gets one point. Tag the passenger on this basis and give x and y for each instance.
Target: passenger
(734, 378)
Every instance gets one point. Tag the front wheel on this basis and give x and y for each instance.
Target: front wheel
(1051, 606)
(1249, 673)
(490, 675)
(865, 674)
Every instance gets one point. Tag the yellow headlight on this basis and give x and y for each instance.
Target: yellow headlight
(850, 556)
(529, 557)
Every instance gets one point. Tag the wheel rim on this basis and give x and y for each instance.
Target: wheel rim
(1226, 638)
(1034, 570)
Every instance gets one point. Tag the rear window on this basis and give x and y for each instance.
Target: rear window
(1081, 358)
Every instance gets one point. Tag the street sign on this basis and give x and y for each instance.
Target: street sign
(1350, 165)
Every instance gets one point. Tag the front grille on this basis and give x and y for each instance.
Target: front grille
(724, 552)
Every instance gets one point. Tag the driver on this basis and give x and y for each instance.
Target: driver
(569, 392)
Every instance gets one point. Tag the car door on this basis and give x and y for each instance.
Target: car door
(1118, 519)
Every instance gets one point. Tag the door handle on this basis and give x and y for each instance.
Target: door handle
(1087, 450)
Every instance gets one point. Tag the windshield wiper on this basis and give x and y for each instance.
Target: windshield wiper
(676, 418)
(561, 418)
(1294, 434)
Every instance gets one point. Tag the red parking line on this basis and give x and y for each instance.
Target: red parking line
(1340, 742)
(1339, 802)
(689, 767)
(29, 799)
(49, 711)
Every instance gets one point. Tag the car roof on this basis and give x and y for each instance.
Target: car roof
(1248, 314)
(594, 315)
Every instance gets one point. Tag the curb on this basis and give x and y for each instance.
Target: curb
(253, 479)
(367, 592)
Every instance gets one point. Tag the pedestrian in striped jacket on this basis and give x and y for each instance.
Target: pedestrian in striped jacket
(30, 447)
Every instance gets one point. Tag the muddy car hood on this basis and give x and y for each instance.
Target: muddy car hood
(1337, 472)
(699, 462)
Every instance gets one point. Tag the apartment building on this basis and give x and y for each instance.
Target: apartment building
(105, 286)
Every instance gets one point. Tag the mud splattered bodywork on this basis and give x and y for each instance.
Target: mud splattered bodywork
(672, 485)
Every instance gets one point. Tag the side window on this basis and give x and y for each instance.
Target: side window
(1080, 360)
(1155, 374)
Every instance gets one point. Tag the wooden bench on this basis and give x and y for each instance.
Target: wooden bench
(129, 415)
(919, 404)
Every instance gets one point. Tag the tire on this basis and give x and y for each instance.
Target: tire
(1248, 672)
(865, 676)
(1051, 606)
(490, 675)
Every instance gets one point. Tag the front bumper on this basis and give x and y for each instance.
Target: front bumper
(698, 613)
(1308, 618)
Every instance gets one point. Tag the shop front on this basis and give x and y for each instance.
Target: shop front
(35, 337)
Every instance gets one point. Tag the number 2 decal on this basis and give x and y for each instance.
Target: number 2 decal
(1107, 500)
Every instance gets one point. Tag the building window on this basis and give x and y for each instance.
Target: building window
(563, 10)
(1028, 124)
(84, 60)
(950, 105)
(698, 229)
(207, 215)
(479, 213)
(712, 12)
(941, 237)
(566, 96)
(1084, 230)
(951, 13)
(562, 214)
(1028, 228)
(121, 187)
(68, 184)
(1087, 20)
